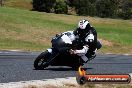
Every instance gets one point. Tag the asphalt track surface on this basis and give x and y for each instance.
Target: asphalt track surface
(18, 66)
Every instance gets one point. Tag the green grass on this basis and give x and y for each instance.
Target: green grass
(27, 30)
(118, 33)
(30, 30)
(21, 4)
(18, 44)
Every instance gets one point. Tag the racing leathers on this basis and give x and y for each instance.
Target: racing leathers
(87, 43)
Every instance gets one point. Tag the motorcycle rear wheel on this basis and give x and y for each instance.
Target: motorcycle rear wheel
(77, 65)
(40, 61)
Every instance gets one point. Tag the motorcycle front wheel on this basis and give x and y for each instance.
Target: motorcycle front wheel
(40, 61)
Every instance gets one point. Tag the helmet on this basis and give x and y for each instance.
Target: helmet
(83, 24)
(83, 28)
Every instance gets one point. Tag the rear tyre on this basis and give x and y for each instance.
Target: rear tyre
(77, 64)
(76, 67)
(40, 61)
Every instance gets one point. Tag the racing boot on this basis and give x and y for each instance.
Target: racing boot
(91, 55)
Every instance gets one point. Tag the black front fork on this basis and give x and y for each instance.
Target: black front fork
(52, 56)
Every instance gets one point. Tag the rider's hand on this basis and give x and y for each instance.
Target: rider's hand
(72, 51)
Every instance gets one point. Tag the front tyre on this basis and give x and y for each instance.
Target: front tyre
(40, 61)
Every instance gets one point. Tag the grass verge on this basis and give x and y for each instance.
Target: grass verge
(30, 30)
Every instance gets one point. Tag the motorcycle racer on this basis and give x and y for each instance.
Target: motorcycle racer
(79, 46)
(86, 38)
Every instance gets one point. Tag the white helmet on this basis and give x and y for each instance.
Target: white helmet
(83, 24)
(83, 28)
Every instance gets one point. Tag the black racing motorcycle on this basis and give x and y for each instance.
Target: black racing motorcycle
(58, 55)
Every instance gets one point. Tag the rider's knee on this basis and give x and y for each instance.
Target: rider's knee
(99, 45)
